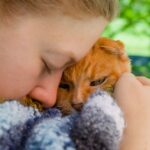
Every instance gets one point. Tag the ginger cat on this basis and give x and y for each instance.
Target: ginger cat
(99, 69)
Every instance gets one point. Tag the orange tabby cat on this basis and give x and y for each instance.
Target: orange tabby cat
(99, 69)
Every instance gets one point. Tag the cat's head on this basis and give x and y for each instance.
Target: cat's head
(99, 69)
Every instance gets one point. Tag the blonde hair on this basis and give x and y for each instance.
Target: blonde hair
(75, 8)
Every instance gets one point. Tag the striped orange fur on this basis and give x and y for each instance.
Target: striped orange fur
(99, 69)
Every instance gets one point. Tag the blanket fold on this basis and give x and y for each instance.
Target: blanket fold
(99, 126)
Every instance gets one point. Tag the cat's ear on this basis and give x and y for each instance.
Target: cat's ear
(121, 45)
(111, 46)
(121, 50)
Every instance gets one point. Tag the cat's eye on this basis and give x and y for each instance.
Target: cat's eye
(64, 86)
(98, 82)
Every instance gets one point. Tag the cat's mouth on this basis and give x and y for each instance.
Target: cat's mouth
(77, 107)
(66, 111)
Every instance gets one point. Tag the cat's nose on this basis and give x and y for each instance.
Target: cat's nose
(77, 106)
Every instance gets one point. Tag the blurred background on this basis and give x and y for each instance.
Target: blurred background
(133, 28)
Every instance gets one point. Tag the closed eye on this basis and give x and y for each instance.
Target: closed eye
(64, 86)
(98, 82)
(46, 67)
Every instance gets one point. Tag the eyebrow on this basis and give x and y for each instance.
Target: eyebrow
(68, 63)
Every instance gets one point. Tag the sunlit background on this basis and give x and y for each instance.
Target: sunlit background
(133, 28)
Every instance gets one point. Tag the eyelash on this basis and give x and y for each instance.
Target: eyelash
(46, 68)
(64, 86)
(98, 82)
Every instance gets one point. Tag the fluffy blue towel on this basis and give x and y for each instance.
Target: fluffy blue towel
(99, 126)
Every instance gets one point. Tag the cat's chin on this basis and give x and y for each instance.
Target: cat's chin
(68, 112)
(74, 111)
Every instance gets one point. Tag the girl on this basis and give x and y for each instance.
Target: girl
(38, 39)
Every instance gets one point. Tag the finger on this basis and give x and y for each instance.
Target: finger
(127, 83)
(129, 79)
(144, 80)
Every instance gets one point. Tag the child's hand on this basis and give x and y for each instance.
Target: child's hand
(133, 96)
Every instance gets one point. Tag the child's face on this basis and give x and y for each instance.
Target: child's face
(29, 47)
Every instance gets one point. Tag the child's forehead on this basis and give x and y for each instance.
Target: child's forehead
(74, 8)
(73, 35)
(60, 33)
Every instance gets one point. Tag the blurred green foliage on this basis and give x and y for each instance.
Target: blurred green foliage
(132, 26)
(140, 65)
(141, 70)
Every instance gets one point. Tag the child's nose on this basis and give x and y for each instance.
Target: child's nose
(46, 90)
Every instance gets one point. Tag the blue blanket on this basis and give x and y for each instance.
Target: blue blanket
(99, 126)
